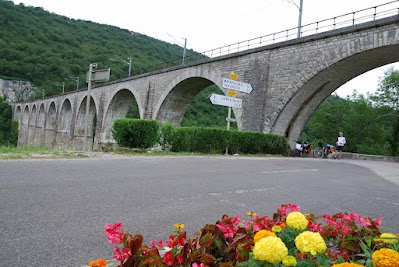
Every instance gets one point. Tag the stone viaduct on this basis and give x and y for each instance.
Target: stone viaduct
(290, 80)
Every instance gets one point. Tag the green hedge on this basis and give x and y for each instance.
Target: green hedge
(215, 140)
(135, 133)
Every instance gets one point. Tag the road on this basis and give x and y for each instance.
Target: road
(52, 212)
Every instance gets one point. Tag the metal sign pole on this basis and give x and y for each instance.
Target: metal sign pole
(228, 126)
(87, 106)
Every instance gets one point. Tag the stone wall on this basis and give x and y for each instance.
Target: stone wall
(13, 91)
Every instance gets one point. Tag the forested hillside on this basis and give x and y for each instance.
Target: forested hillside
(47, 49)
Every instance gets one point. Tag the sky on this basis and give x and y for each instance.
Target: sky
(209, 24)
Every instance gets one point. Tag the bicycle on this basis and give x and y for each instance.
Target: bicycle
(327, 151)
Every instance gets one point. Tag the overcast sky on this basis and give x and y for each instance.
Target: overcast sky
(208, 24)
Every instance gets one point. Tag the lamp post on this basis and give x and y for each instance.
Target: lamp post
(184, 47)
(76, 79)
(184, 50)
(34, 89)
(300, 8)
(92, 66)
(63, 86)
(129, 62)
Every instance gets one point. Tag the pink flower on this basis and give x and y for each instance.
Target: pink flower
(154, 243)
(379, 221)
(196, 265)
(114, 233)
(122, 255)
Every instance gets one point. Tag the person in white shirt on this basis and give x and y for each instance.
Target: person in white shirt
(341, 141)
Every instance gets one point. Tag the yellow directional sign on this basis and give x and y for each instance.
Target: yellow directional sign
(233, 76)
(232, 93)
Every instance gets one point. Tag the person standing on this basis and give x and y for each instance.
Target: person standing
(341, 141)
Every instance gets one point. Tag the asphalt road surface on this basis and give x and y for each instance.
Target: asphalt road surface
(52, 212)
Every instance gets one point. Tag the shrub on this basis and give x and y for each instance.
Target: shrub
(135, 133)
(215, 140)
(165, 139)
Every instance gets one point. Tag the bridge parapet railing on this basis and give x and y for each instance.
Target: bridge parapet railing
(350, 19)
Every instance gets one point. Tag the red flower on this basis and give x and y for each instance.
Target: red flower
(168, 259)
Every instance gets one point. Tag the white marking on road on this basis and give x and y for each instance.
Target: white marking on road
(394, 202)
(289, 171)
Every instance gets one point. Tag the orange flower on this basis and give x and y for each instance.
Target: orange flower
(385, 257)
(98, 263)
(101, 262)
(347, 264)
(262, 234)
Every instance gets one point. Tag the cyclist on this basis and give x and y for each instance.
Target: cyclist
(341, 141)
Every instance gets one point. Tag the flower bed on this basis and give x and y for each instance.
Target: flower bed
(289, 238)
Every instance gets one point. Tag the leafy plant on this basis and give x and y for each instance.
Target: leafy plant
(327, 240)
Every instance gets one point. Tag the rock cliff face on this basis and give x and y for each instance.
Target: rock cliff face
(13, 91)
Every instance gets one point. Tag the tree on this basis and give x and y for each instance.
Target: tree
(387, 95)
(7, 129)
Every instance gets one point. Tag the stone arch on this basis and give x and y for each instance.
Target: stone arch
(180, 93)
(50, 125)
(32, 125)
(17, 114)
(118, 107)
(64, 125)
(78, 136)
(24, 127)
(41, 116)
(294, 115)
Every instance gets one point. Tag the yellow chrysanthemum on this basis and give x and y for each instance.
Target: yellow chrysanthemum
(277, 229)
(252, 214)
(289, 261)
(310, 242)
(271, 249)
(388, 238)
(297, 220)
(347, 264)
(179, 226)
(262, 234)
(385, 257)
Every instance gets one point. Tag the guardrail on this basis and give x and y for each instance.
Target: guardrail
(349, 19)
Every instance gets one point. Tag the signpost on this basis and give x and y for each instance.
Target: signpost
(237, 86)
(227, 101)
(231, 101)
(93, 75)
(232, 93)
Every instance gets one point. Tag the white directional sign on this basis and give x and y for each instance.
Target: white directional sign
(227, 101)
(237, 86)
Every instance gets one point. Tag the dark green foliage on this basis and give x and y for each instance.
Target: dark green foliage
(202, 112)
(215, 140)
(365, 127)
(199, 139)
(257, 143)
(387, 96)
(46, 49)
(166, 135)
(133, 111)
(134, 133)
(8, 128)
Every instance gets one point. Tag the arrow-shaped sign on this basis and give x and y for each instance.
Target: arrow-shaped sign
(237, 86)
(227, 101)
